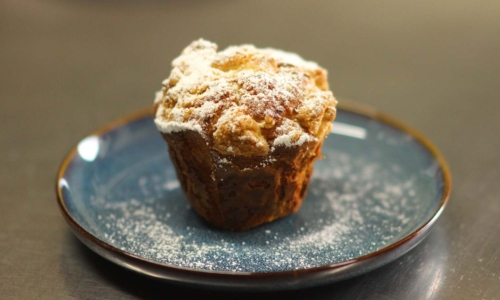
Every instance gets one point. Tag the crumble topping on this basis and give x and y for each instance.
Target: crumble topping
(244, 100)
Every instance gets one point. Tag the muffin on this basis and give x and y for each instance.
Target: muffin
(244, 127)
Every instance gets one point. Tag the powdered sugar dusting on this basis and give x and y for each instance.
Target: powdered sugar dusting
(290, 134)
(237, 94)
(291, 139)
(158, 96)
(178, 126)
(346, 209)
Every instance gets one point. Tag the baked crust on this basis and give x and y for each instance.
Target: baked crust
(245, 101)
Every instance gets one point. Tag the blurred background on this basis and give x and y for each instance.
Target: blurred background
(69, 67)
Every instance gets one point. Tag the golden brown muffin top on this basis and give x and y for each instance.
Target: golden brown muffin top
(244, 100)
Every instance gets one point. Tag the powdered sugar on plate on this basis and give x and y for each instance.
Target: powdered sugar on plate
(353, 209)
(371, 191)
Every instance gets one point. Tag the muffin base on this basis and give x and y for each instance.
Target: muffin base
(240, 192)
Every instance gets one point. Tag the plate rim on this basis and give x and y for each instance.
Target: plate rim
(357, 108)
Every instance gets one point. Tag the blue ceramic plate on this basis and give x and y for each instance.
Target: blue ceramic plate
(374, 197)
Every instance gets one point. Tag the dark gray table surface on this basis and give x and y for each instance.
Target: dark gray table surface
(68, 67)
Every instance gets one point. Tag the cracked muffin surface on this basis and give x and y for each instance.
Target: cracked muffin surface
(244, 100)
